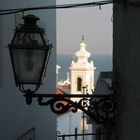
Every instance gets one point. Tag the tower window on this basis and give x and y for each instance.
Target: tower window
(79, 84)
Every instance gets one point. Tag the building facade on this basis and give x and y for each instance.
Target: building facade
(81, 75)
(18, 120)
(126, 68)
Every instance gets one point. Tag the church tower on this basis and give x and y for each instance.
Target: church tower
(82, 71)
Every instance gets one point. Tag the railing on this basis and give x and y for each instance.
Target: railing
(86, 136)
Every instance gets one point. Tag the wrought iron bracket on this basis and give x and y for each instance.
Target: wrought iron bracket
(98, 107)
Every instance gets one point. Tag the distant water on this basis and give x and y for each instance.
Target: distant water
(101, 62)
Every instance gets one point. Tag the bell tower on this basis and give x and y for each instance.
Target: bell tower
(82, 71)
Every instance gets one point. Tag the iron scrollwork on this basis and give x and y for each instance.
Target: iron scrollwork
(98, 107)
(102, 108)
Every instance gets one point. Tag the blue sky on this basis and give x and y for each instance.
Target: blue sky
(93, 23)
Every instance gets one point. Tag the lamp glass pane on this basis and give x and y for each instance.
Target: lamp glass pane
(28, 65)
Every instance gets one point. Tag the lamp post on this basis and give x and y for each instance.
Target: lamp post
(30, 51)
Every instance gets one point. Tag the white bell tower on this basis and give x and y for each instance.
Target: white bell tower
(82, 71)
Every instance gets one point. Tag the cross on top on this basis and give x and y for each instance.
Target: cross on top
(82, 38)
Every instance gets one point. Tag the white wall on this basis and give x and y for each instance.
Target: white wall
(16, 117)
(66, 124)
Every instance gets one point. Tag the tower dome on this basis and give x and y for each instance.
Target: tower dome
(82, 55)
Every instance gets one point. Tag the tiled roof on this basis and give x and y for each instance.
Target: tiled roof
(61, 91)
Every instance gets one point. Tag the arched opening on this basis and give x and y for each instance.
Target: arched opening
(79, 84)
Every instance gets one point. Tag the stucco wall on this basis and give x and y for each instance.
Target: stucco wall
(16, 118)
(68, 122)
(126, 68)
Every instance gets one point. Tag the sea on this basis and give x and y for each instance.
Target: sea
(101, 62)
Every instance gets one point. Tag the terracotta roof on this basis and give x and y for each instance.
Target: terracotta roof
(61, 91)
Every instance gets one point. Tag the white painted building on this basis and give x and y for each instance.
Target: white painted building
(82, 71)
(81, 74)
(18, 121)
(72, 124)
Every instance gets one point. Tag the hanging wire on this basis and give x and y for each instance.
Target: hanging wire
(62, 6)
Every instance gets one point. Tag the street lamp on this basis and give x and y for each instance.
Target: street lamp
(30, 51)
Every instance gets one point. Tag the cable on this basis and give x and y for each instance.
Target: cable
(63, 6)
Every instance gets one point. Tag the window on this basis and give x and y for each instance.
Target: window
(79, 84)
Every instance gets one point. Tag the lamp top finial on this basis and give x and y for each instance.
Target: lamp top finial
(30, 19)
